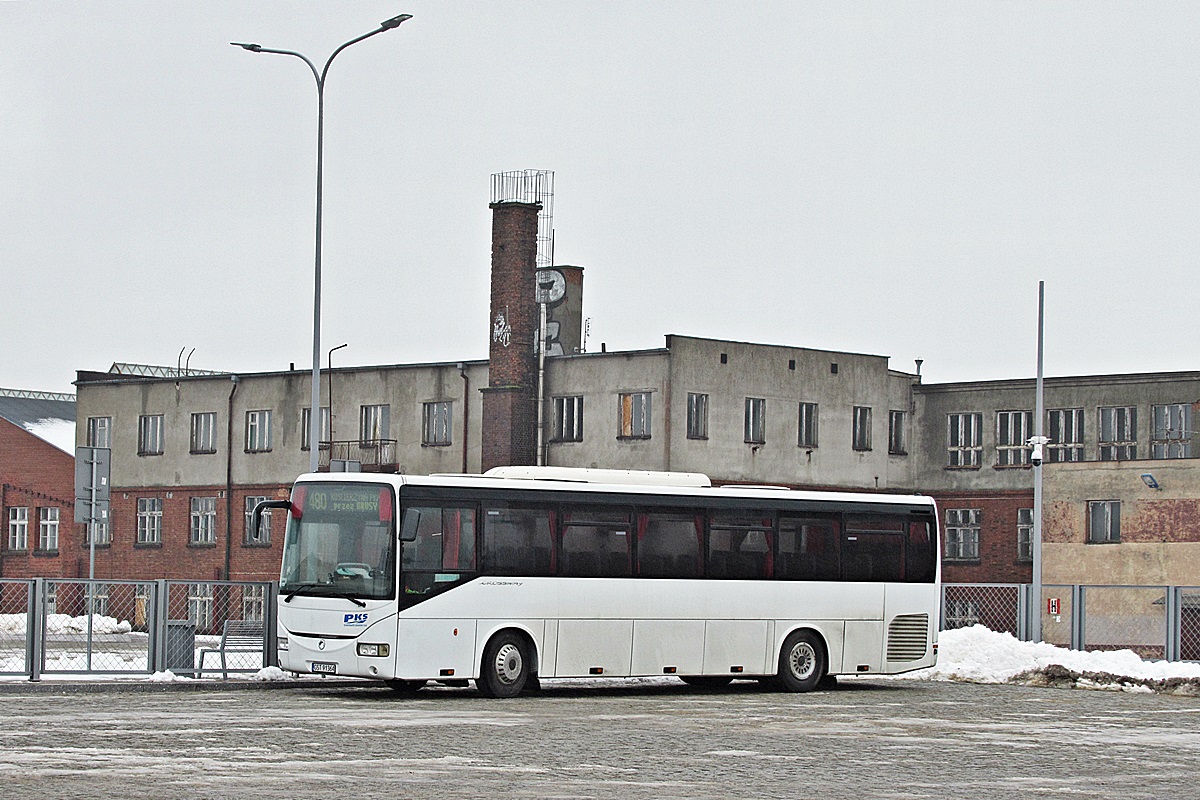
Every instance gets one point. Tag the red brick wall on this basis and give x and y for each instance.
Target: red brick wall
(509, 406)
(36, 474)
(175, 557)
(998, 562)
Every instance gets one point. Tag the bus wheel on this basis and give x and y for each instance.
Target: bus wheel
(505, 668)
(405, 687)
(709, 682)
(801, 662)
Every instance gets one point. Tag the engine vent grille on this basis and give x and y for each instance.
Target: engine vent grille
(908, 637)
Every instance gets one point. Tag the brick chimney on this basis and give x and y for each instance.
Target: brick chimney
(510, 399)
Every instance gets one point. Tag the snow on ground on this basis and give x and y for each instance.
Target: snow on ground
(979, 655)
(65, 623)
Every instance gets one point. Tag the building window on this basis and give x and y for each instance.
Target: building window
(149, 520)
(1172, 435)
(436, 421)
(697, 416)
(150, 435)
(204, 521)
(964, 440)
(99, 432)
(808, 425)
(1013, 429)
(568, 419)
(634, 415)
(103, 534)
(305, 422)
(48, 530)
(962, 534)
(897, 438)
(263, 535)
(1065, 432)
(755, 424)
(1104, 521)
(1118, 433)
(200, 606)
(961, 614)
(204, 432)
(1025, 534)
(374, 423)
(862, 428)
(258, 431)
(18, 528)
(253, 602)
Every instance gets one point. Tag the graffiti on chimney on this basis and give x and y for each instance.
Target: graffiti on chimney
(501, 330)
(551, 291)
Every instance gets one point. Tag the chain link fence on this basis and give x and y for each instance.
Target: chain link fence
(57, 626)
(1156, 622)
(16, 610)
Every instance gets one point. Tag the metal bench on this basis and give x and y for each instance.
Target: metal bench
(238, 636)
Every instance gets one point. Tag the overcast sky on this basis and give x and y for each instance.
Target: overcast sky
(889, 178)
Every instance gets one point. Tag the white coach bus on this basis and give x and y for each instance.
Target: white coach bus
(548, 572)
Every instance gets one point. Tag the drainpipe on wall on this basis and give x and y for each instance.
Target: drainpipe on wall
(229, 479)
(541, 386)
(462, 372)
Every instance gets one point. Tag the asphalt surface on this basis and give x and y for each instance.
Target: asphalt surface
(868, 739)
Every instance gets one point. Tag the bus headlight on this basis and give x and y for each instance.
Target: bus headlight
(373, 650)
(281, 642)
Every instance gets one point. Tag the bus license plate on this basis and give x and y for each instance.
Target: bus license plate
(324, 667)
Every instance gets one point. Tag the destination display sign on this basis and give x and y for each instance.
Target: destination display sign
(342, 499)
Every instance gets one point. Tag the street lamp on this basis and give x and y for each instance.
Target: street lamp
(314, 417)
(329, 361)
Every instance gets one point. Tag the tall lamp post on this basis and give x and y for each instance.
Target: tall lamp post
(314, 416)
(329, 361)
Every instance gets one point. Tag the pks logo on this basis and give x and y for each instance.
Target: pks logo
(355, 619)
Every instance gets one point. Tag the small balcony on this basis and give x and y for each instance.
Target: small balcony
(375, 455)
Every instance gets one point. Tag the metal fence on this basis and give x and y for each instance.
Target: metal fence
(69, 626)
(1156, 622)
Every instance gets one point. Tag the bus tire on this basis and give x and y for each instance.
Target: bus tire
(401, 686)
(801, 662)
(505, 669)
(707, 682)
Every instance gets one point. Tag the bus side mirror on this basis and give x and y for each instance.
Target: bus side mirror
(408, 529)
(256, 515)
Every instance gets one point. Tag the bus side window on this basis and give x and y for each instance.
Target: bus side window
(921, 558)
(808, 549)
(669, 545)
(873, 549)
(739, 547)
(595, 545)
(439, 547)
(517, 541)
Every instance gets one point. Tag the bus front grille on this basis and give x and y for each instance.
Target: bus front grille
(908, 637)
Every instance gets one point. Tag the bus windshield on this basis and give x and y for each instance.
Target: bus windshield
(340, 541)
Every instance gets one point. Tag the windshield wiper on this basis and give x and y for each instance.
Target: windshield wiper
(321, 590)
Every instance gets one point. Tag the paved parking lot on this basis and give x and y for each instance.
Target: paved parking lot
(866, 739)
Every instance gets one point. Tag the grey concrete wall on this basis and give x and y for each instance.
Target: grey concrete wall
(934, 402)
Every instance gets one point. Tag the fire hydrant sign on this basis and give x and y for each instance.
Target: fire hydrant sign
(1052, 606)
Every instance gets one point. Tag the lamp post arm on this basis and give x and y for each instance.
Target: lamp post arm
(334, 54)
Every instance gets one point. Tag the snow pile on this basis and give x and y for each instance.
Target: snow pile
(980, 655)
(66, 624)
(271, 674)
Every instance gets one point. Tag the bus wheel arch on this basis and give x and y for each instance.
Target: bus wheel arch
(509, 663)
(803, 661)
